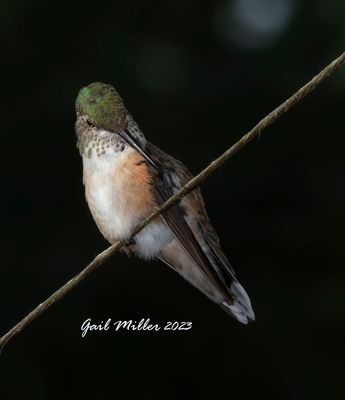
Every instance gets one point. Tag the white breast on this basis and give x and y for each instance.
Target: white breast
(105, 194)
(111, 193)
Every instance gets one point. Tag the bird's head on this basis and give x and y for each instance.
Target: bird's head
(101, 106)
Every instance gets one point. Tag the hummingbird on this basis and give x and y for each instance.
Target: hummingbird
(126, 178)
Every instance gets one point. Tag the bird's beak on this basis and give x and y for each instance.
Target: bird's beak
(135, 145)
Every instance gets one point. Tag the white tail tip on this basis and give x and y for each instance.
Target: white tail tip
(241, 307)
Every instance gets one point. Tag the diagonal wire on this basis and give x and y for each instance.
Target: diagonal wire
(192, 184)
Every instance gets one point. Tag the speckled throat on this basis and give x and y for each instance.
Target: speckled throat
(96, 142)
(93, 141)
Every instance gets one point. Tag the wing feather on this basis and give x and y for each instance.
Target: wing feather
(164, 186)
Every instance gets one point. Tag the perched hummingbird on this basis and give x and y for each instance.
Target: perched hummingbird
(126, 178)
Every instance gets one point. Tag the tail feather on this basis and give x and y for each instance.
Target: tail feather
(235, 301)
(241, 307)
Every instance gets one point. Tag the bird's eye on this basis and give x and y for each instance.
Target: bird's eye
(89, 123)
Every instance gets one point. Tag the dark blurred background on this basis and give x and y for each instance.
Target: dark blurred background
(196, 75)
